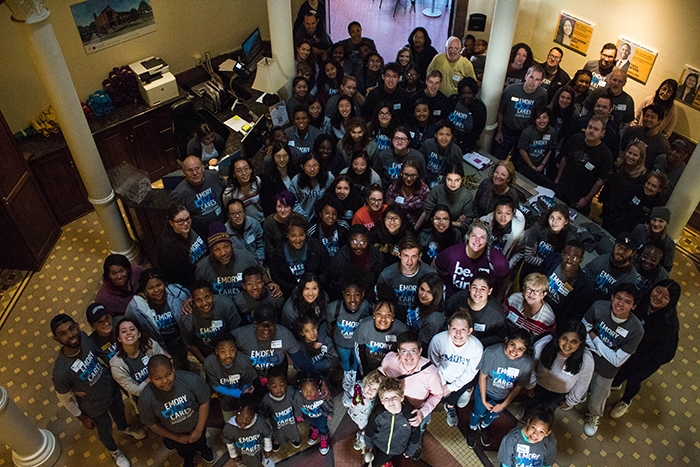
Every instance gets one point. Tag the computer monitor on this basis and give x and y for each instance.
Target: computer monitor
(252, 49)
(255, 139)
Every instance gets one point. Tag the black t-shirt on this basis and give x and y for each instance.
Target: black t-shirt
(584, 166)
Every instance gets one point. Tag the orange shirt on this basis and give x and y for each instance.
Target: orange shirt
(363, 216)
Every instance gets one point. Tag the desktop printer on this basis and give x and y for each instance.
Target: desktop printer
(156, 83)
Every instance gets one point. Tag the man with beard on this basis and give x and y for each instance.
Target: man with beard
(673, 162)
(554, 76)
(648, 266)
(85, 386)
(609, 270)
(224, 267)
(602, 68)
(200, 192)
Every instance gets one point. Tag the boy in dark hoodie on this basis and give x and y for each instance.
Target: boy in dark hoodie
(657, 313)
(388, 432)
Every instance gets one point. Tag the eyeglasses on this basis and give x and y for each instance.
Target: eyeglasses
(240, 213)
(400, 139)
(568, 257)
(376, 200)
(554, 57)
(535, 292)
(409, 176)
(384, 114)
(392, 219)
(440, 220)
(412, 352)
(182, 221)
(242, 170)
(359, 242)
(411, 75)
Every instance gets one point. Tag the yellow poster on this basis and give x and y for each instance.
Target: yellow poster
(635, 59)
(688, 85)
(574, 33)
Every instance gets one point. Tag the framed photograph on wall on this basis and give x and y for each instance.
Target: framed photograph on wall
(688, 85)
(104, 23)
(635, 59)
(574, 33)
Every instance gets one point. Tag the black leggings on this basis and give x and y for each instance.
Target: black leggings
(635, 376)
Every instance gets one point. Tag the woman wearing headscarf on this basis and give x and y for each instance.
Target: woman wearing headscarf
(657, 313)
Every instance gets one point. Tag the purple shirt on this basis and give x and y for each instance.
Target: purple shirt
(460, 268)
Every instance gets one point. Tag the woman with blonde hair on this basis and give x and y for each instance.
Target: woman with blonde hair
(500, 183)
(528, 309)
(629, 172)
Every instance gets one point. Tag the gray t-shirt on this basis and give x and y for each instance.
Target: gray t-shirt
(247, 305)
(655, 145)
(203, 202)
(537, 144)
(517, 106)
(345, 322)
(234, 380)
(517, 450)
(459, 202)
(282, 416)
(85, 373)
(389, 168)
(227, 279)
(502, 373)
(376, 344)
(176, 410)
(265, 354)
(605, 278)
(201, 331)
(400, 289)
(249, 442)
(624, 336)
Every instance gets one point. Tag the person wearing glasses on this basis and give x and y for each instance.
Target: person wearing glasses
(554, 76)
(528, 309)
(389, 162)
(452, 65)
(245, 186)
(371, 213)
(409, 191)
(569, 289)
(200, 192)
(388, 91)
(603, 67)
(422, 383)
(180, 247)
(246, 233)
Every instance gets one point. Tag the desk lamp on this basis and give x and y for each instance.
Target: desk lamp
(269, 78)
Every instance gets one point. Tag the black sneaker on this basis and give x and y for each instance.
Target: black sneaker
(485, 436)
(296, 444)
(471, 438)
(417, 455)
(275, 447)
(207, 455)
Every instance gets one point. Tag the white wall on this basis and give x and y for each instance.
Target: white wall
(184, 27)
(667, 27)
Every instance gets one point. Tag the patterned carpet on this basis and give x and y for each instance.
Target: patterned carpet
(659, 429)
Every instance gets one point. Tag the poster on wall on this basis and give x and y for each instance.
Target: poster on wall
(635, 59)
(688, 87)
(104, 23)
(574, 33)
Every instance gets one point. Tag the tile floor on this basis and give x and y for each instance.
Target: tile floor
(660, 428)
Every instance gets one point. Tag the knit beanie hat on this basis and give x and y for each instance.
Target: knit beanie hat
(217, 234)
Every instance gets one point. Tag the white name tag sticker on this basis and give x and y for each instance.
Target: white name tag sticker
(290, 144)
(145, 360)
(399, 199)
(622, 331)
(589, 166)
(636, 201)
(250, 238)
(390, 338)
(479, 327)
(546, 137)
(217, 324)
(523, 449)
(515, 99)
(413, 134)
(276, 344)
(512, 317)
(437, 112)
(621, 107)
(456, 78)
(77, 365)
(397, 106)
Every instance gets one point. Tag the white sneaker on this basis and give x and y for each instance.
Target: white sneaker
(134, 431)
(464, 399)
(591, 427)
(359, 443)
(120, 459)
(620, 409)
(452, 419)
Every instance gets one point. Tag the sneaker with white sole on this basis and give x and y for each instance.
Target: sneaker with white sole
(464, 399)
(591, 427)
(451, 415)
(120, 459)
(296, 444)
(620, 409)
(313, 436)
(616, 388)
(208, 455)
(134, 431)
(359, 443)
(323, 447)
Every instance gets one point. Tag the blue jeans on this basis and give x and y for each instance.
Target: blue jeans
(321, 424)
(103, 422)
(480, 413)
(347, 358)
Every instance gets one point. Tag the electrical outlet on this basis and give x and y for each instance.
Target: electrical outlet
(197, 59)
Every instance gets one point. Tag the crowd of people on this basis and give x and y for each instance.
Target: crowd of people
(360, 249)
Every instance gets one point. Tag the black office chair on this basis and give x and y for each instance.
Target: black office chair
(185, 120)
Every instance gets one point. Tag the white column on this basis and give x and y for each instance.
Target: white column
(32, 18)
(31, 447)
(685, 196)
(505, 15)
(279, 14)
